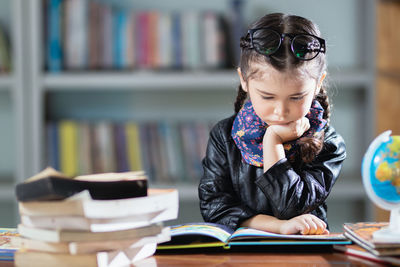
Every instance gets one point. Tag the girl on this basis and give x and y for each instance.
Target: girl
(272, 165)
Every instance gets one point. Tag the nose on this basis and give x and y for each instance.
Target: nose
(280, 109)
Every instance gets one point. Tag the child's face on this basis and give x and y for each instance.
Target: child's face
(280, 97)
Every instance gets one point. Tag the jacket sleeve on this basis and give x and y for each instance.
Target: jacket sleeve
(306, 187)
(218, 201)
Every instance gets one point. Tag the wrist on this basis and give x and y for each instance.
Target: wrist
(272, 138)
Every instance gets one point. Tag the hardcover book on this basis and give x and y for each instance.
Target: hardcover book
(362, 234)
(355, 250)
(52, 185)
(208, 235)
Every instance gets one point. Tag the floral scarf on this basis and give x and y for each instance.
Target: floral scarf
(248, 131)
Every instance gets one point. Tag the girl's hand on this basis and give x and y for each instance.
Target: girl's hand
(292, 130)
(306, 224)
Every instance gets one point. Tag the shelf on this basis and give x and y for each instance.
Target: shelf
(142, 80)
(172, 80)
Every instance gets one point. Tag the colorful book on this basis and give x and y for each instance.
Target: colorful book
(7, 249)
(133, 146)
(52, 185)
(208, 235)
(54, 53)
(68, 143)
(362, 234)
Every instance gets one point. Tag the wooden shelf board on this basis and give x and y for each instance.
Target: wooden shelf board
(173, 80)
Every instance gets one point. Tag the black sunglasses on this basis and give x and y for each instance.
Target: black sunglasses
(303, 46)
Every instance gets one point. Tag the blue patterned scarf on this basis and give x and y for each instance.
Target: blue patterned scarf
(248, 132)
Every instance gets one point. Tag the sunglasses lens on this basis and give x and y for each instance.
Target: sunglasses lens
(266, 41)
(306, 46)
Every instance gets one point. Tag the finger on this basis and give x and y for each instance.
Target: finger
(321, 226)
(325, 232)
(304, 228)
(313, 227)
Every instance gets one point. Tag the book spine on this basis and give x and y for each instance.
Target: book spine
(133, 146)
(68, 132)
(54, 36)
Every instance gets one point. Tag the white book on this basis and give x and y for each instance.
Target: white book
(98, 225)
(125, 257)
(60, 235)
(82, 205)
(76, 13)
(87, 246)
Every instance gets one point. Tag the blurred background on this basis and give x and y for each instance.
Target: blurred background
(112, 85)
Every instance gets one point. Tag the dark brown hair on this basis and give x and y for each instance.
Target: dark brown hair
(284, 60)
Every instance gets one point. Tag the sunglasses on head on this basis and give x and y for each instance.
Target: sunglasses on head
(303, 46)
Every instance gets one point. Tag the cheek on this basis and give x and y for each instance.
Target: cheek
(304, 108)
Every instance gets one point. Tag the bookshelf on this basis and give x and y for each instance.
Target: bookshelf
(12, 109)
(204, 94)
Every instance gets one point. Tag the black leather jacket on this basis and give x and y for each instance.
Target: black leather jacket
(232, 191)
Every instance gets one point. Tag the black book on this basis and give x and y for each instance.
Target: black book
(52, 185)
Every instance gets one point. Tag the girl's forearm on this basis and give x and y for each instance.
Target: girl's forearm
(264, 222)
(273, 150)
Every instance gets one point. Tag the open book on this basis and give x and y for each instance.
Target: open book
(50, 184)
(7, 250)
(207, 235)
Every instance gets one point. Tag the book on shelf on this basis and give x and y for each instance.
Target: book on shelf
(50, 184)
(99, 259)
(84, 34)
(169, 151)
(358, 251)
(83, 247)
(211, 235)
(7, 249)
(361, 233)
(157, 200)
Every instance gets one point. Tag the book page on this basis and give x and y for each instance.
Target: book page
(205, 229)
(248, 233)
(113, 176)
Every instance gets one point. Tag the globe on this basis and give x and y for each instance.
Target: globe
(381, 179)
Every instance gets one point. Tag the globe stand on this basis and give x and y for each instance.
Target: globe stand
(392, 232)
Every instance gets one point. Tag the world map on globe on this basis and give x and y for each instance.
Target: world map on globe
(385, 170)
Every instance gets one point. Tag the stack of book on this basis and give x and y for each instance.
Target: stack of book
(368, 247)
(63, 225)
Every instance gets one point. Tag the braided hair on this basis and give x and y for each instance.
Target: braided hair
(284, 60)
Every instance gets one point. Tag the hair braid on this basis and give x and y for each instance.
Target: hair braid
(323, 99)
(240, 98)
(311, 146)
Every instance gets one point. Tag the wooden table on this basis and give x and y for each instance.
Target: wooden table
(249, 259)
(262, 259)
